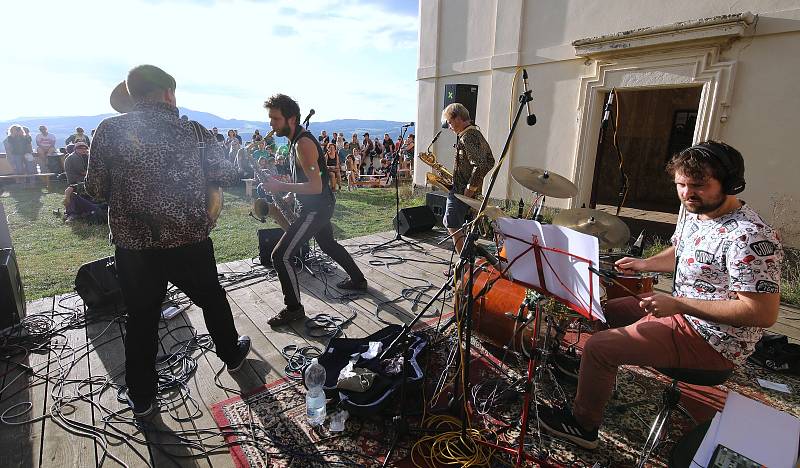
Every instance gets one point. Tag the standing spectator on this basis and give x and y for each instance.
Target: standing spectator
(343, 152)
(79, 135)
(257, 136)
(15, 145)
(231, 138)
(408, 152)
(339, 141)
(29, 158)
(334, 167)
(354, 143)
(261, 150)
(378, 152)
(323, 138)
(45, 145)
(217, 135)
(352, 170)
(367, 148)
(236, 133)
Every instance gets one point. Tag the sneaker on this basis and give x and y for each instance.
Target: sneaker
(563, 424)
(244, 350)
(353, 285)
(286, 316)
(567, 365)
(142, 410)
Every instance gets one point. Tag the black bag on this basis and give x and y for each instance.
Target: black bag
(774, 352)
(385, 386)
(96, 283)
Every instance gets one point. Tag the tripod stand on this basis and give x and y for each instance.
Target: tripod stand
(394, 174)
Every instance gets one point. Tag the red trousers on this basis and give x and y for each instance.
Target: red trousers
(641, 340)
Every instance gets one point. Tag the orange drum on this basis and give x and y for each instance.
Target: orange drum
(637, 283)
(489, 319)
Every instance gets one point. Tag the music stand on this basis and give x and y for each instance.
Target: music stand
(393, 172)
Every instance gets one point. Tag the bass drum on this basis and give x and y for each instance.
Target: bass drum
(489, 319)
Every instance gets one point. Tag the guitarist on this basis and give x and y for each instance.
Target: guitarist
(148, 165)
(316, 203)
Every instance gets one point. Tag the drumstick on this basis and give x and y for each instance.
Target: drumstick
(612, 278)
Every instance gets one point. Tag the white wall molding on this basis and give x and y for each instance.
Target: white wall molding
(674, 68)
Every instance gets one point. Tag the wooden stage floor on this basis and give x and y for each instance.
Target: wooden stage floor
(86, 360)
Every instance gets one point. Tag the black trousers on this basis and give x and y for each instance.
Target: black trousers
(143, 277)
(316, 224)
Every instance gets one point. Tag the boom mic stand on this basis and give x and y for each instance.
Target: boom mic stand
(394, 173)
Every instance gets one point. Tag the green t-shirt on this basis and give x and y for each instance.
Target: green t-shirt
(260, 154)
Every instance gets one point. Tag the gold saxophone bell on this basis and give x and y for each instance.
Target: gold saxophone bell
(441, 178)
(260, 209)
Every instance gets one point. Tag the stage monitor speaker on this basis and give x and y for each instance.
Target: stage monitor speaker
(465, 94)
(268, 239)
(415, 219)
(12, 293)
(437, 202)
(96, 283)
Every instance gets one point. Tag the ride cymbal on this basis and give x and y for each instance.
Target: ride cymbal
(545, 182)
(610, 230)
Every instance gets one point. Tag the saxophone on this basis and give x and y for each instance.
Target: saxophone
(442, 178)
(285, 213)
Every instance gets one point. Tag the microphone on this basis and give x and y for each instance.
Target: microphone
(493, 261)
(607, 108)
(444, 124)
(531, 120)
(410, 124)
(308, 117)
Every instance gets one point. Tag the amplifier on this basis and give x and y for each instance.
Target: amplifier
(12, 293)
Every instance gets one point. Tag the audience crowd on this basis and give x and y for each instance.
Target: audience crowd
(365, 161)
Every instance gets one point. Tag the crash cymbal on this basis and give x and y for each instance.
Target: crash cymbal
(492, 212)
(609, 229)
(545, 182)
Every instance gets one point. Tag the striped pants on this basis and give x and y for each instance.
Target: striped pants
(316, 224)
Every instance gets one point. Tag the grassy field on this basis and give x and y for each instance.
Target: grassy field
(50, 251)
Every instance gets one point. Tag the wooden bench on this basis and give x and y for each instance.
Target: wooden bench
(18, 178)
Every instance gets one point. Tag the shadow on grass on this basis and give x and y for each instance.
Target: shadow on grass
(28, 200)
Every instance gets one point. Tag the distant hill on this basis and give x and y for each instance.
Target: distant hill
(62, 127)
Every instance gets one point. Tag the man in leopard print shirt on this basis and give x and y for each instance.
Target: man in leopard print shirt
(146, 163)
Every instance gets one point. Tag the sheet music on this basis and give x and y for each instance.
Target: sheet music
(565, 276)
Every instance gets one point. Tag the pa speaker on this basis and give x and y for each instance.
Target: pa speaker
(414, 220)
(268, 239)
(465, 94)
(437, 202)
(97, 284)
(12, 294)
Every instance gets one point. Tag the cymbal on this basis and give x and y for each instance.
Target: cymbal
(545, 182)
(607, 228)
(492, 212)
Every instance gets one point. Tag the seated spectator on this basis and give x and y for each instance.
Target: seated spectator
(244, 164)
(260, 150)
(45, 146)
(257, 136)
(234, 149)
(408, 153)
(236, 134)
(16, 146)
(354, 143)
(334, 168)
(388, 144)
(282, 165)
(79, 135)
(78, 204)
(343, 152)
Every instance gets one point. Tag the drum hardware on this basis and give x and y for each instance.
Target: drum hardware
(607, 228)
(613, 279)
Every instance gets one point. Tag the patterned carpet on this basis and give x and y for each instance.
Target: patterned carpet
(277, 434)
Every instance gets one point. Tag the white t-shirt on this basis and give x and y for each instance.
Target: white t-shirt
(735, 252)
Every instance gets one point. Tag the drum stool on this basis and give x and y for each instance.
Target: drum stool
(670, 400)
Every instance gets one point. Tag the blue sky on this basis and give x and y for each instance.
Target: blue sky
(344, 58)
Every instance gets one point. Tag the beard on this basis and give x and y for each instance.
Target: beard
(701, 206)
(283, 131)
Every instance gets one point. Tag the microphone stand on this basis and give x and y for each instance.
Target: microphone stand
(393, 171)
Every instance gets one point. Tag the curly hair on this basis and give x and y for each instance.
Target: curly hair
(288, 106)
(699, 163)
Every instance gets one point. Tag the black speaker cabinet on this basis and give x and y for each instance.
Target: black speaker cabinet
(465, 94)
(96, 283)
(415, 219)
(268, 239)
(437, 202)
(12, 293)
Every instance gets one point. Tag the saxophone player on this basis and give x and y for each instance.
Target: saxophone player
(473, 161)
(313, 193)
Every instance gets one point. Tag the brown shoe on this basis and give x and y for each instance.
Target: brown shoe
(286, 316)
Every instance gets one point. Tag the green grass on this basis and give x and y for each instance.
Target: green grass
(50, 252)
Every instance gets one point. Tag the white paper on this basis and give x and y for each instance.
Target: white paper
(374, 349)
(774, 385)
(565, 276)
(759, 432)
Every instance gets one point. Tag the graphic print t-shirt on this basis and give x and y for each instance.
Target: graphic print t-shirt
(735, 252)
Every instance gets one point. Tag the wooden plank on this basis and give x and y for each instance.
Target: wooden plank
(104, 335)
(60, 446)
(21, 445)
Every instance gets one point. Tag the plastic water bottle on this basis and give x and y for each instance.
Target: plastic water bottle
(315, 397)
(38, 169)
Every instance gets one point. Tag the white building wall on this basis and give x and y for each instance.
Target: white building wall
(484, 42)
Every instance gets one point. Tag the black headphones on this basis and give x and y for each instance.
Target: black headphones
(733, 163)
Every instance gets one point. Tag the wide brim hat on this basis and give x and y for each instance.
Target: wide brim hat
(121, 100)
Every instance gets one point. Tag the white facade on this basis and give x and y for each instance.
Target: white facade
(745, 55)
